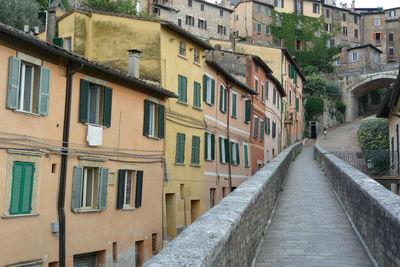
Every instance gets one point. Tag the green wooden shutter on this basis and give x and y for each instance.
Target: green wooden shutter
(237, 154)
(221, 141)
(196, 95)
(234, 105)
(206, 145)
(146, 118)
(247, 110)
(246, 156)
(102, 201)
(212, 91)
(44, 91)
(195, 150)
(212, 147)
(84, 101)
(221, 100)
(184, 89)
(107, 106)
(231, 147)
(255, 127)
(121, 189)
(139, 189)
(205, 87)
(13, 82)
(161, 121)
(77, 188)
(16, 188)
(267, 90)
(180, 148)
(26, 200)
(262, 128)
(227, 150)
(297, 104)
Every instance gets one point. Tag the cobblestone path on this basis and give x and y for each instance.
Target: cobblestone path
(309, 227)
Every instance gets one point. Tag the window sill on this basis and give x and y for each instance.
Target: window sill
(197, 64)
(95, 125)
(179, 164)
(234, 117)
(182, 56)
(197, 108)
(195, 165)
(87, 210)
(182, 103)
(153, 137)
(128, 208)
(209, 160)
(27, 113)
(9, 216)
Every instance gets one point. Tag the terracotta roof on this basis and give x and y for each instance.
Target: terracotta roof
(229, 76)
(56, 50)
(166, 24)
(364, 46)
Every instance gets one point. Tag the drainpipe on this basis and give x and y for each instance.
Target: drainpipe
(64, 165)
(228, 135)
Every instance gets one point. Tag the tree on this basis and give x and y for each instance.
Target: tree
(18, 13)
(116, 6)
(306, 39)
(44, 4)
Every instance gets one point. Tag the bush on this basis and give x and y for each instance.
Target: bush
(341, 107)
(314, 107)
(373, 137)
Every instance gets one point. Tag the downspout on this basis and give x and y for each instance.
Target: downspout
(64, 165)
(228, 136)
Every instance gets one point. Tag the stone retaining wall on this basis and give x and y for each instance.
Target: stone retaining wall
(229, 233)
(374, 210)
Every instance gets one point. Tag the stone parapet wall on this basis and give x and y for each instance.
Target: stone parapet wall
(229, 233)
(374, 210)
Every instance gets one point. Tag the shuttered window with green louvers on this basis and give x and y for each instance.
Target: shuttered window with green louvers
(180, 148)
(247, 115)
(262, 128)
(246, 155)
(196, 95)
(208, 90)
(195, 150)
(130, 188)
(21, 189)
(255, 127)
(182, 89)
(154, 119)
(209, 146)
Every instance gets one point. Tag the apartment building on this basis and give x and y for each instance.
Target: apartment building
(202, 18)
(174, 58)
(82, 161)
(227, 138)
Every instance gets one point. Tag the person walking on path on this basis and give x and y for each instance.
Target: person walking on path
(325, 133)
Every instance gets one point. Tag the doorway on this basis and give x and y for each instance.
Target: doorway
(170, 211)
(194, 209)
(313, 129)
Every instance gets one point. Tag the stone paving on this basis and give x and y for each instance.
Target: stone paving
(309, 227)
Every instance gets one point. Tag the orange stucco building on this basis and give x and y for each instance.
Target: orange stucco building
(82, 160)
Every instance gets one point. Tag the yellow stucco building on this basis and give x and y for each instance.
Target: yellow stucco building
(173, 58)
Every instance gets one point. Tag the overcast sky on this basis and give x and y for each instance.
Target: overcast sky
(373, 3)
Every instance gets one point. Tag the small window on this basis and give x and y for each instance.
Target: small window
(222, 98)
(210, 146)
(235, 156)
(202, 24)
(180, 148)
(355, 20)
(258, 9)
(196, 55)
(267, 11)
(195, 150)
(344, 30)
(391, 37)
(247, 110)
(279, 3)
(221, 29)
(354, 57)
(256, 85)
(378, 38)
(338, 61)
(68, 43)
(130, 187)
(182, 48)
(202, 7)
(267, 90)
(255, 127)
(273, 129)
(221, 12)
(90, 185)
(196, 95)
(258, 28)
(212, 197)
(237, 17)
(344, 16)
(392, 13)
(209, 90)
(262, 126)
(377, 21)
(274, 96)
(356, 33)
(262, 93)
(391, 51)
(299, 45)
(189, 20)
(157, 11)
(328, 13)
(22, 185)
(267, 30)
(246, 155)
(179, 22)
(154, 115)
(234, 105)
(182, 89)
(256, 68)
(316, 8)
(190, 2)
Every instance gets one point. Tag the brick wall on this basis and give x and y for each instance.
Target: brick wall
(229, 233)
(374, 210)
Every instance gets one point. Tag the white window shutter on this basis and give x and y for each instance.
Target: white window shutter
(44, 91)
(13, 82)
(102, 201)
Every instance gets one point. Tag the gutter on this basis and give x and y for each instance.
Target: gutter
(64, 165)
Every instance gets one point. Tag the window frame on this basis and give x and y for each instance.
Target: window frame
(182, 48)
(234, 109)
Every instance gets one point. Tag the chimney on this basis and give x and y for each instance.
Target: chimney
(51, 25)
(344, 5)
(134, 62)
(353, 4)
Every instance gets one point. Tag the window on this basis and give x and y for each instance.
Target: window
(222, 98)
(180, 148)
(256, 85)
(392, 13)
(328, 13)
(208, 90)
(344, 30)
(262, 129)
(290, 97)
(95, 104)
(22, 186)
(391, 51)
(189, 20)
(316, 8)
(299, 45)
(297, 104)
(179, 22)
(196, 55)
(328, 27)
(246, 155)
(154, 115)
(267, 12)
(221, 30)
(130, 187)
(298, 7)
(267, 29)
(344, 16)
(378, 38)
(356, 33)
(262, 93)
(279, 42)
(256, 68)
(28, 87)
(212, 197)
(331, 43)
(247, 110)
(202, 7)
(279, 3)
(235, 156)
(195, 150)
(182, 89)
(234, 105)
(190, 3)
(391, 37)
(223, 150)
(255, 127)
(274, 95)
(355, 20)
(377, 21)
(273, 129)
(258, 9)
(196, 95)
(221, 12)
(68, 43)
(209, 152)
(267, 90)
(156, 11)
(354, 57)
(338, 61)
(182, 48)
(89, 188)
(258, 28)
(267, 126)
(202, 24)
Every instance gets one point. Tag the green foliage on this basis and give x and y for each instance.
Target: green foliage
(291, 27)
(373, 137)
(44, 4)
(340, 106)
(382, 91)
(18, 13)
(314, 107)
(318, 85)
(116, 6)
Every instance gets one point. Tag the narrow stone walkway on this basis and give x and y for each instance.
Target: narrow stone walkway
(309, 227)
